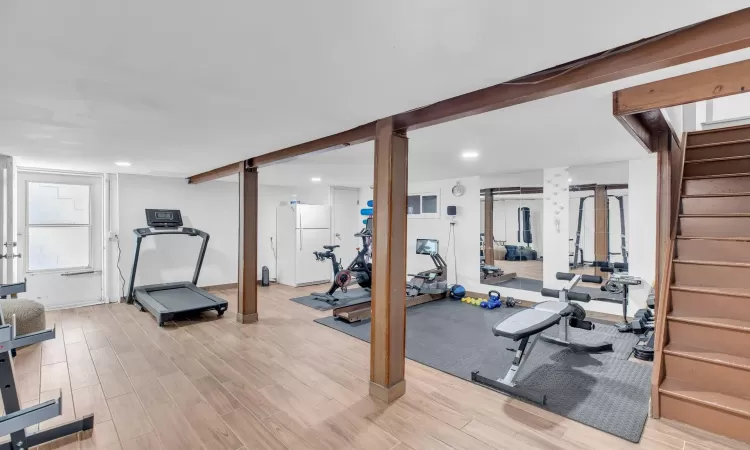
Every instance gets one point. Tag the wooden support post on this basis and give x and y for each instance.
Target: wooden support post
(664, 209)
(247, 295)
(489, 226)
(601, 216)
(388, 327)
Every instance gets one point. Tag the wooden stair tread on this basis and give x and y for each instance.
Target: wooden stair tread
(716, 238)
(717, 144)
(711, 290)
(699, 354)
(717, 159)
(717, 322)
(716, 130)
(719, 195)
(723, 175)
(698, 394)
(717, 215)
(712, 263)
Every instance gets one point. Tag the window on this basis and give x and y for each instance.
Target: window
(59, 226)
(425, 206)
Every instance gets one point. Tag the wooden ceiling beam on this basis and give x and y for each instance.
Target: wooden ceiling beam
(215, 174)
(358, 135)
(709, 38)
(693, 87)
(362, 133)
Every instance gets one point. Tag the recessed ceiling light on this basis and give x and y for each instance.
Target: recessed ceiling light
(315, 179)
(570, 180)
(470, 154)
(122, 163)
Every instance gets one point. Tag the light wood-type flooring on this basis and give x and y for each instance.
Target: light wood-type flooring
(282, 383)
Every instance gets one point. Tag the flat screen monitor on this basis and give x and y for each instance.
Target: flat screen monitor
(427, 246)
(163, 218)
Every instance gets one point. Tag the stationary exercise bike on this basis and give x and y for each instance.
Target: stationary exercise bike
(358, 271)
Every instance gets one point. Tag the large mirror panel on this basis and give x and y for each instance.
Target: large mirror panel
(512, 207)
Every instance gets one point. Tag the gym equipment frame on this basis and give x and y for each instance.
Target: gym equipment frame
(16, 420)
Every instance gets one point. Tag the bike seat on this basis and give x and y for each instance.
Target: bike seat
(331, 247)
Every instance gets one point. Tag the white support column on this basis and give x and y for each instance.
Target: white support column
(556, 225)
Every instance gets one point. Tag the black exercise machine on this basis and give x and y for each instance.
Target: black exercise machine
(16, 420)
(527, 326)
(577, 254)
(358, 271)
(577, 250)
(432, 281)
(423, 287)
(619, 282)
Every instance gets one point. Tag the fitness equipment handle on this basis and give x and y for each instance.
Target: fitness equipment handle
(592, 279)
(586, 278)
(554, 293)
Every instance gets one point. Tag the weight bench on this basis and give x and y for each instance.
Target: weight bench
(527, 326)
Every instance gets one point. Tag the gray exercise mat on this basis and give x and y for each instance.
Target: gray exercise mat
(605, 391)
(352, 296)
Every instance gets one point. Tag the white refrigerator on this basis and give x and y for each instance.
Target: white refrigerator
(300, 231)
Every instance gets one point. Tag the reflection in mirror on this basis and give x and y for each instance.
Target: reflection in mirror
(598, 215)
(511, 247)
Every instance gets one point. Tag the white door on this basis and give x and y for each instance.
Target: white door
(313, 216)
(309, 270)
(60, 223)
(8, 248)
(347, 221)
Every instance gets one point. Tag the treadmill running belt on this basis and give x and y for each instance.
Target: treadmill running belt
(180, 299)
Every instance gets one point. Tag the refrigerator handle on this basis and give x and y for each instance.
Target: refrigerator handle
(299, 211)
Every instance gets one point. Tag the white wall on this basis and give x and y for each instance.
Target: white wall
(463, 254)
(642, 227)
(211, 207)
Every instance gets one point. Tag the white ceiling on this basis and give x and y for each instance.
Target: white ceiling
(182, 86)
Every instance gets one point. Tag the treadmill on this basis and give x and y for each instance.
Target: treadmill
(167, 300)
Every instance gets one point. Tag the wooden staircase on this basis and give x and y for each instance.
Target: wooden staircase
(702, 374)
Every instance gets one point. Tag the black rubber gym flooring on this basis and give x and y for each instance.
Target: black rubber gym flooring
(351, 297)
(605, 391)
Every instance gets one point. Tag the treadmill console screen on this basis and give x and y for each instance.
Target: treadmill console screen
(427, 246)
(163, 218)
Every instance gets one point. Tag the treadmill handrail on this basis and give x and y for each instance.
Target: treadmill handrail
(140, 233)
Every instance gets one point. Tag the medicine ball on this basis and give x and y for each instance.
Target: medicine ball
(457, 292)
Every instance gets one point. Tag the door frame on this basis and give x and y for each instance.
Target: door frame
(105, 216)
